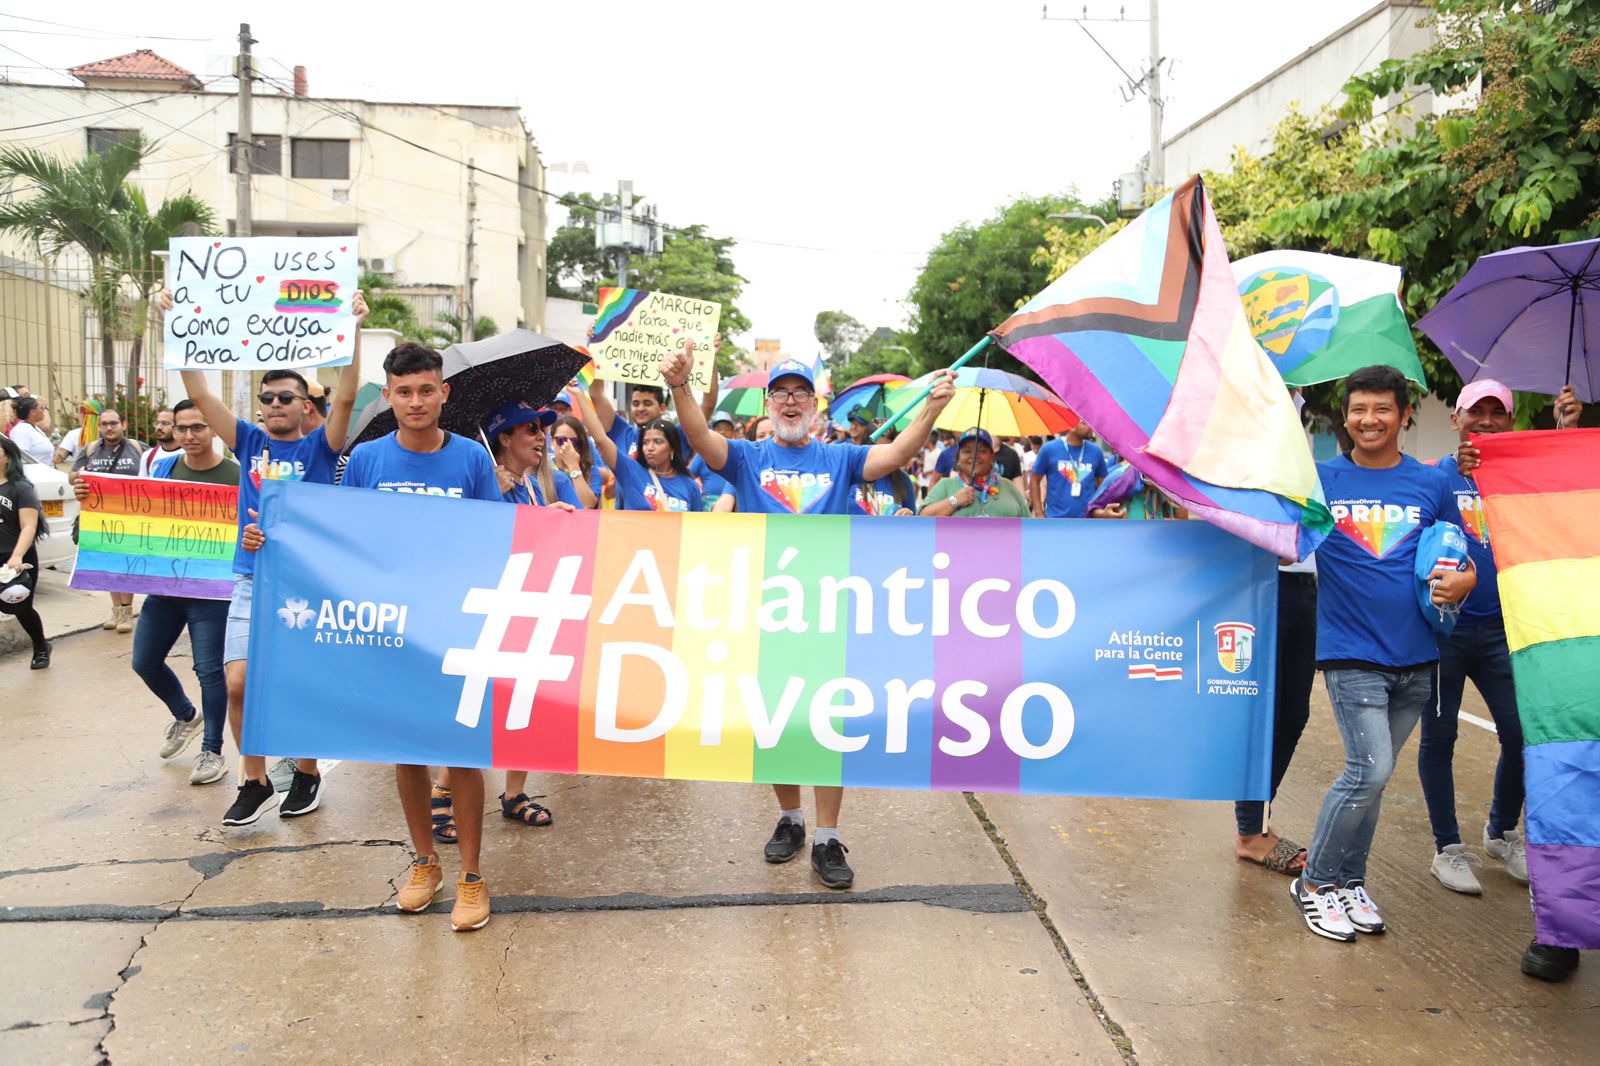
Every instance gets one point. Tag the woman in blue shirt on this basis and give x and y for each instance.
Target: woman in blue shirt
(661, 482)
(573, 458)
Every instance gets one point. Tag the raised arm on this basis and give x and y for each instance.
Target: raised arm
(709, 445)
(708, 402)
(217, 416)
(885, 459)
(591, 420)
(344, 397)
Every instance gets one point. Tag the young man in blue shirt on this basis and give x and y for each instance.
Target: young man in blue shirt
(1374, 645)
(792, 473)
(275, 450)
(1066, 474)
(419, 457)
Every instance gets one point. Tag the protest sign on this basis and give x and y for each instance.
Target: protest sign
(157, 536)
(259, 303)
(634, 329)
(999, 655)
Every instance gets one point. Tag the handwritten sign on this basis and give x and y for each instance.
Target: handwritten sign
(260, 303)
(634, 329)
(153, 535)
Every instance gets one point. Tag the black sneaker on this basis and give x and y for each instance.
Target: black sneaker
(255, 799)
(41, 658)
(1549, 963)
(786, 841)
(828, 860)
(305, 792)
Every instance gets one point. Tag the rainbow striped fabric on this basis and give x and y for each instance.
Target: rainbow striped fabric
(153, 535)
(1541, 497)
(1148, 341)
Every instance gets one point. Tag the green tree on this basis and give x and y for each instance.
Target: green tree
(143, 233)
(976, 276)
(74, 204)
(839, 334)
(694, 264)
(574, 270)
(446, 329)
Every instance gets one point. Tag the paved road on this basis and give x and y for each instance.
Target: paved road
(644, 925)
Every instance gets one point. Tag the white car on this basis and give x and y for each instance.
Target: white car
(56, 552)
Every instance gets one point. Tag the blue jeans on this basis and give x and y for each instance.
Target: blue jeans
(1375, 711)
(1478, 652)
(160, 623)
(1297, 672)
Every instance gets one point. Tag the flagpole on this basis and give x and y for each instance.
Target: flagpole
(927, 389)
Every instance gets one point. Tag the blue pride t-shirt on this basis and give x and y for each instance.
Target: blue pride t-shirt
(881, 499)
(712, 484)
(636, 489)
(1483, 603)
(625, 435)
(565, 493)
(1065, 468)
(460, 470)
(1367, 613)
(816, 478)
(263, 459)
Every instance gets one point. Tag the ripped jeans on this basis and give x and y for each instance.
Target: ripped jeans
(1376, 710)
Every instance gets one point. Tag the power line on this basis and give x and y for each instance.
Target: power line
(107, 34)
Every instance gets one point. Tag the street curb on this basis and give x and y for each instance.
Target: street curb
(13, 639)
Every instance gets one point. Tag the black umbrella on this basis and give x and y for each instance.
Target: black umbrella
(519, 365)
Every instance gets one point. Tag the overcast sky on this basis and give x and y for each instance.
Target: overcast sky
(851, 134)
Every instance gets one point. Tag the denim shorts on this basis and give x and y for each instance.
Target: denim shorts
(236, 642)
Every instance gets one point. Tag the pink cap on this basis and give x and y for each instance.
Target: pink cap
(1483, 389)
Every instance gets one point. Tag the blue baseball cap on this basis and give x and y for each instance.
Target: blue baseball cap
(792, 368)
(517, 413)
(862, 415)
(976, 434)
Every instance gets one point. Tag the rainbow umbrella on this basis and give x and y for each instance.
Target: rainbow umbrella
(744, 395)
(1003, 403)
(871, 392)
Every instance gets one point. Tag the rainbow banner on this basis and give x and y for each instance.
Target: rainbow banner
(907, 653)
(301, 295)
(156, 536)
(1541, 497)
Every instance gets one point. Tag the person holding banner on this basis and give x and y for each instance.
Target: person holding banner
(661, 482)
(516, 436)
(976, 489)
(793, 474)
(113, 453)
(164, 618)
(277, 449)
(1375, 646)
(420, 457)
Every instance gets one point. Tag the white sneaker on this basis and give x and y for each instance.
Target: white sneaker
(1511, 850)
(1323, 912)
(1359, 908)
(181, 734)
(1453, 868)
(208, 767)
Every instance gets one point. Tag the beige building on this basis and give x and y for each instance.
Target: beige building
(391, 174)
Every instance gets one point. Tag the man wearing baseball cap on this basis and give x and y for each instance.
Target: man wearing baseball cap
(791, 473)
(1477, 649)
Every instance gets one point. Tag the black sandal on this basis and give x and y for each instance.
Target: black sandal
(444, 825)
(520, 808)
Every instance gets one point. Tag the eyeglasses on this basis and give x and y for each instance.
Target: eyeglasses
(195, 427)
(283, 398)
(797, 395)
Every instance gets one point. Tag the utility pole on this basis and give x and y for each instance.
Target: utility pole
(243, 163)
(467, 315)
(1157, 178)
(625, 202)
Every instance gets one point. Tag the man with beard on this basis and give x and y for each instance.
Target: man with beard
(163, 450)
(113, 453)
(793, 474)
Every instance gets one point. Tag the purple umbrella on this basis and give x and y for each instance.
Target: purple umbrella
(1525, 317)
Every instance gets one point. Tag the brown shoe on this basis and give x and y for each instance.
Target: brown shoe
(124, 619)
(426, 877)
(116, 616)
(472, 905)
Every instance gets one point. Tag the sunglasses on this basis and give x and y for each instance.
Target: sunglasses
(283, 398)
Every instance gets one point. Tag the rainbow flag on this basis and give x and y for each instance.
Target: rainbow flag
(1147, 340)
(831, 650)
(615, 305)
(154, 535)
(585, 376)
(302, 295)
(1541, 497)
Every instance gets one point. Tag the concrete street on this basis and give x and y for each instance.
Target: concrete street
(644, 925)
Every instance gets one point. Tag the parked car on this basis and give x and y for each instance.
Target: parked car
(56, 552)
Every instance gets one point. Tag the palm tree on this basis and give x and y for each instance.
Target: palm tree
(446, 329)
(143, 234)
(75, 204)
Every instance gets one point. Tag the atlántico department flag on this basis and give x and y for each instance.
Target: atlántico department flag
(996, 655)
(1541, 498)
(1318, 317)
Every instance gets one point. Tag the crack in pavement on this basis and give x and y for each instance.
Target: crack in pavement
(209, 864)
(977, 899)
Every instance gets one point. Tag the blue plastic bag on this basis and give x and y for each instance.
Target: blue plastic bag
(1442, 546)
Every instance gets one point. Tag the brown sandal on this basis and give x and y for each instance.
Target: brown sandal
(1281, 859)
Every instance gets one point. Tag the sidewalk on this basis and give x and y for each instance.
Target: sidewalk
(65, 611)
